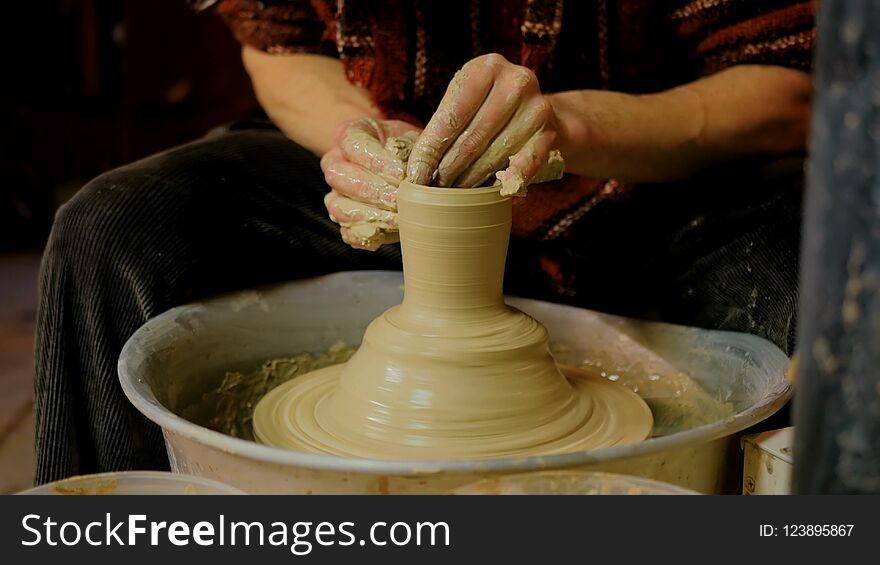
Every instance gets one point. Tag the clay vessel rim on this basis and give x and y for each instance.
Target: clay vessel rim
(452, 191)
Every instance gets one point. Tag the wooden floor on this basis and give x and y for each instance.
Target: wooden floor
(18, 305)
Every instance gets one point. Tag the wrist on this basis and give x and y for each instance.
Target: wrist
(591, 131)
(634, 138)
(571, 131)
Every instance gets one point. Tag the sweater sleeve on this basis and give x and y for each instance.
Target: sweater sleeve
(277, 26)
(721, 33)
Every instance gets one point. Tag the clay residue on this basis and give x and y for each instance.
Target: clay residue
(83, 487)
(400, 147)
(513, 183)
(368, 235)
(229, 407)
(677, 401)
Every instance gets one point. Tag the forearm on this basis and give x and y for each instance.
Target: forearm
(306, 96)
(743, 112)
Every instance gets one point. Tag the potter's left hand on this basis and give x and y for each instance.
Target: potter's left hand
(363, 170)
(493, 117)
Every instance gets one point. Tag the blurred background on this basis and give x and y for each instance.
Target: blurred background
(90, 85)
(93, 84)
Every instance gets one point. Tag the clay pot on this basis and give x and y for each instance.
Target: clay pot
(453, 371)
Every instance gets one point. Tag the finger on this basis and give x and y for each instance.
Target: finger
(464, 96)
(344, 210)
(528, 119)
(401, 147)
(399, 128)
(356, 182)
(360, 240)
(367, 237)
(411, 135)
(363, 143)
(505, 97)
(399, 139)
(331, 157)
(527, 163)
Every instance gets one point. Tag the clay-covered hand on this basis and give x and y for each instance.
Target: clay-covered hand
(363, 169)
(492, 118)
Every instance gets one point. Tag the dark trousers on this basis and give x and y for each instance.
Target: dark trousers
(239, 209)
(245, 208)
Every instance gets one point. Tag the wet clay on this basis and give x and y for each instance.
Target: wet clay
(228, 407)
(375, 228)
(452, 372)
(513, 183)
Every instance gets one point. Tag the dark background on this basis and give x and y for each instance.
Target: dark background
(94, 84)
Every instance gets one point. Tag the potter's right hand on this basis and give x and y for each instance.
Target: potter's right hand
(363, 169)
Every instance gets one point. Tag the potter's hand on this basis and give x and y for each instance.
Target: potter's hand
(493, 117)
(364, 167)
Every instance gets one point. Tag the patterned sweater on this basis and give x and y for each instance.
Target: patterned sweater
(404, 52)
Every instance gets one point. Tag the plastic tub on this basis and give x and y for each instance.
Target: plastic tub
(681, 372)
(569, 483)
(133, 482)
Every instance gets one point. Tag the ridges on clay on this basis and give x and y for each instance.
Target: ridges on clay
(452, 372)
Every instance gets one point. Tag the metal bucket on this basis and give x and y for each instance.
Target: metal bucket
(683, 373)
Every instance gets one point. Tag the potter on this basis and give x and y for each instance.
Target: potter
(452, 372)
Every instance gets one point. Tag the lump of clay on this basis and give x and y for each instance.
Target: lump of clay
(513, 184)
(452, 372)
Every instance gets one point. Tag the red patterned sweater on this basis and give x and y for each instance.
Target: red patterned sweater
(404, 52)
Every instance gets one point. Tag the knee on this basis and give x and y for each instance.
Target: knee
(84, 221)
(99, 224)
